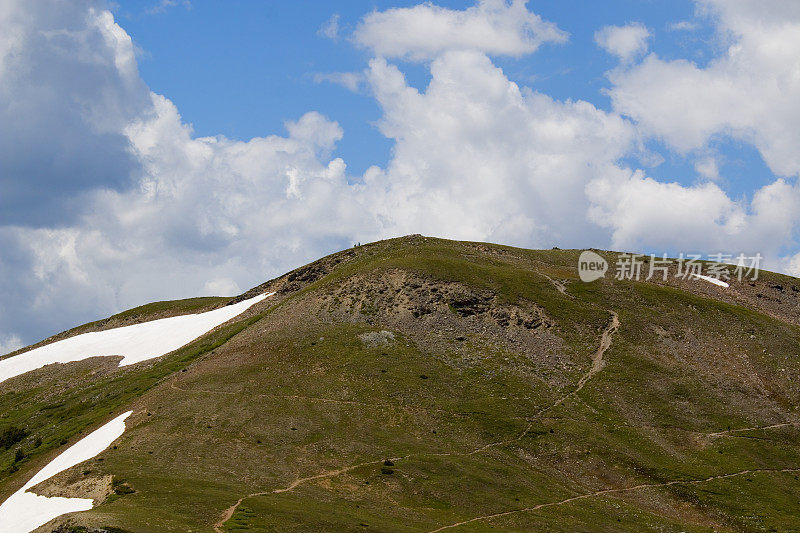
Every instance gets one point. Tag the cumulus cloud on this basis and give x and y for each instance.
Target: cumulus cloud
(475, 156)
(749, 93)
(207, 210)
(69, 83)
(637, 209)
(625, 42)
(495, 27)
(190, 212)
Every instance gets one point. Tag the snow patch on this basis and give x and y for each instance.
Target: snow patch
(25, 511)
(135, 343)
(709, 279)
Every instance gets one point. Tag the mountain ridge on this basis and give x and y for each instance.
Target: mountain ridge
(483, 341)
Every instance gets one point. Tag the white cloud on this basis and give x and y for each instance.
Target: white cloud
(475, 156)
(208, 210)
(700, 218)
(793, 265)
(749, 93)
(330, 29)
(683, 25)
(707, 167)
(625, 42)
(495, 27)
(638, 208)
(66, 74)
(349, 80)
(10, 343)
(221, 287)
(199, 209)
(163, 5)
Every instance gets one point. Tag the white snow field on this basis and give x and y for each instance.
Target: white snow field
(135, 343)
(709, 279)
(25, 511)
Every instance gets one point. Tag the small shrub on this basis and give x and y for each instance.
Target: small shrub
(123, 490)
(19, 455)
(386, 470)
(10, 436)
(120, 488)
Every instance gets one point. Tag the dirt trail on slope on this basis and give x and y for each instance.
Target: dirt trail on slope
(293, 485)
(614, 491)
(316, 399)
(227, 515)
(598, 362)
(597, 359)
(729, 432)
(560, 287)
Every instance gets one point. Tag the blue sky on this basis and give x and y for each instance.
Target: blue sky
(171, 148)
(241, 69)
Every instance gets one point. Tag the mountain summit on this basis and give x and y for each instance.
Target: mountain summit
(420, 384)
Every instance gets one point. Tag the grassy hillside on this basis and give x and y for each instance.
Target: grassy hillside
(44, 410)
(419, 384)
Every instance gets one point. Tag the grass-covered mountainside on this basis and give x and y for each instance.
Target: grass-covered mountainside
(420, 384)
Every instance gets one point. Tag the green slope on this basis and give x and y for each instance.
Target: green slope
(491, 403)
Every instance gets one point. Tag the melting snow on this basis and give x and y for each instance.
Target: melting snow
(25, 511)
(709, 279)
(135, 343)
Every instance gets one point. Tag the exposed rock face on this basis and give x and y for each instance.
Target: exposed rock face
(77, 483)
(447, 318)
(400, 294)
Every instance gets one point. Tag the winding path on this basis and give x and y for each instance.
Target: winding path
(730, 432)
(598, 362)
(613, 491)
(293, 485)
(559, 285)
(597, 359)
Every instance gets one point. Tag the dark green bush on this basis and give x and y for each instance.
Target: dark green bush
(10, 436)
(19, 455)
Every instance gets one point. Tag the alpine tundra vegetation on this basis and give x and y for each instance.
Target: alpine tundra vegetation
(421, 384)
